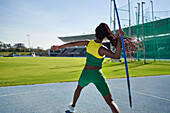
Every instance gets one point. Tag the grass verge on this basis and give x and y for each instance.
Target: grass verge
(37, 70)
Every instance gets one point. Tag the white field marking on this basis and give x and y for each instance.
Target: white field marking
(121, 102)
(144, 94)
(118, 84)
(22, 93)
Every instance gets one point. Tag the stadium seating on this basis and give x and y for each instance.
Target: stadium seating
(79, 51)
(70, 51)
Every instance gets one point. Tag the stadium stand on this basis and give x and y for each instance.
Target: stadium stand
(55, 53)
(70, 52)
(75, 51)
(157, 40)
(77, 38)
(80, 51)
(67, 51)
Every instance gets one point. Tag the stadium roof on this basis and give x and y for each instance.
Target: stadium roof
(162, 22)
(77, 38)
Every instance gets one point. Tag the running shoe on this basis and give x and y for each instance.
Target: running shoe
(71, 108)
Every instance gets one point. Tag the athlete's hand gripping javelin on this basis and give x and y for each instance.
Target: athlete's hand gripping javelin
(121, 32)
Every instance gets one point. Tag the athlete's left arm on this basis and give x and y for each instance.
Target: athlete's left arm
(71, 44)
(104, 51)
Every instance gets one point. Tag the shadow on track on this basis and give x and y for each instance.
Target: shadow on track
(67, 111)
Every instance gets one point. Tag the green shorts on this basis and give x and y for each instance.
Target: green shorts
(97, 78)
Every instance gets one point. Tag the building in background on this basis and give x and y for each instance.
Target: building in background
(19, 45)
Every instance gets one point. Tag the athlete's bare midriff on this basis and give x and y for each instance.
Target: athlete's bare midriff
(88, 67)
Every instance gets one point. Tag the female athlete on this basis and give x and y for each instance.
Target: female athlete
(92, 72)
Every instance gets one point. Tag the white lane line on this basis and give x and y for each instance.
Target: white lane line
(109, 85)
(22, 93)
(144, 94)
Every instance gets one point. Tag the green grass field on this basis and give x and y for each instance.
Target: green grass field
(37, 70)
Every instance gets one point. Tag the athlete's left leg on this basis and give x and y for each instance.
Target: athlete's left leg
(76, 94)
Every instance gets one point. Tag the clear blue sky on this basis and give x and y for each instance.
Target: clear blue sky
(44, 20)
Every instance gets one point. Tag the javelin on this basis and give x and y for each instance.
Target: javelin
(123, 46)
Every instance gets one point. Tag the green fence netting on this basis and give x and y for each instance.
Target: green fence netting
(157, 39)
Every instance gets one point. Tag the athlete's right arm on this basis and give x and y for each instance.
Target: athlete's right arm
(104, 51)
(77, 43)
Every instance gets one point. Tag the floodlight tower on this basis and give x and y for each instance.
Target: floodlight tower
(29, 41)
(138, 18)
(138, 13)
(137, 30)
(114, 21)
(111, 14)
(143, 34)
(129, 19)
(156, 44)
(112, 17)
(152, 10)
(153, 30)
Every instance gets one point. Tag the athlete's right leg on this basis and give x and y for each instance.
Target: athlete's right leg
(102, 86)
(82, 82)
(76, 94)
(111, 103)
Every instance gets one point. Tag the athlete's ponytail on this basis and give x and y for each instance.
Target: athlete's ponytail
(103, 31)
(113, 40)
